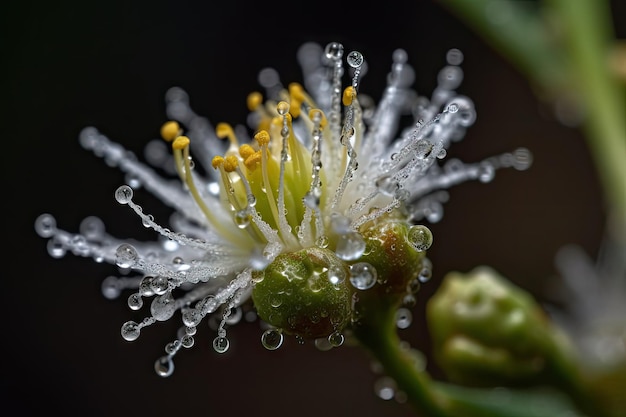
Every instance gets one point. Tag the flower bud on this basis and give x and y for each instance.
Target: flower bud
(392, 249)
(304, 293)
(486, 331)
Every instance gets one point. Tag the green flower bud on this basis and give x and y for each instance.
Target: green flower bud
(397, 251)
(486, 331)
(304, 293)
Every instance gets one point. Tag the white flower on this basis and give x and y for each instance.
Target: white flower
(322, 166)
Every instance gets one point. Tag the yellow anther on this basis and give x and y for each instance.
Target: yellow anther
(253, 160)
(180, 143)
(255, 99)
(245, 151)
(282, 108)
(217, 161)
(314, 113)
(231, 163)
(262, 137)
(348, 94)
(296, 92)
(225, 131)
(295, 108)
(170, 130)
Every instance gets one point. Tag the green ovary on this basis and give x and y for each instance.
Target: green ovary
(304, 293)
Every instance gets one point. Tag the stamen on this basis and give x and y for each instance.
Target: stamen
(225, 131)
(283, 226)
(224, 167)
(348, 131)
(124, 196)
(180, 147)
(263, 139)
(334, 52)
(262, 117)
(312, 198)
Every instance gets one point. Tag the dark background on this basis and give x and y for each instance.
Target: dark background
(67, 65)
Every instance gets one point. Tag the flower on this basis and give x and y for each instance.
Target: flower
(319, 205)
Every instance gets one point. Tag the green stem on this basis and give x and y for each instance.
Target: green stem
(378, 334)
(588, 37)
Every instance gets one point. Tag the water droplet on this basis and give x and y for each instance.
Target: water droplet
(45, 225)
(355, 59)
(350, 246)
(125, 255)
(453, 108)
(426, 271)
(404, 318)
(159, 285)
(336, 339)
(310, 200)
(164, 366)
(450, 77)
(111, 288)
(210, 304)
(221, 344)
(323, 344)
(420, 237)
(322, 242)
(56, 247)
(413, 286)
(276, 300)
(172, 347)
(145, 289)
(454, 57)
(334, 51)
(486, 172)
(385, 388)
(336, 275)
(400, 56)
(192, 317)
(187, 341)
(340, 224)
(272, 339)
(242, 219)
(442, 153)
(425, 275)
(282, 108)
(423, 147)
(147, 220)
(130, 330)
(522, 159)
(362, 275)
(163, 307)
(135, 302)
(124, 194)
(409, 300)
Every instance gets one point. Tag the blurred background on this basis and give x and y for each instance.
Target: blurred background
(67, 65)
